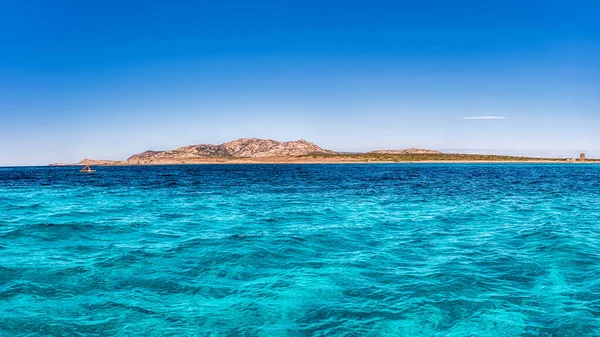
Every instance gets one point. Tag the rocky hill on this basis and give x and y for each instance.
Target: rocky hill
(407, 151)
(240, 148)
(253, 150)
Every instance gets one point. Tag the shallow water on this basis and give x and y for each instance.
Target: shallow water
(301, 250)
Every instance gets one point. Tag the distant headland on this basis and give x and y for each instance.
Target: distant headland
(255, 150)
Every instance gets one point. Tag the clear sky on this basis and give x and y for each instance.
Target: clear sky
(106, 79)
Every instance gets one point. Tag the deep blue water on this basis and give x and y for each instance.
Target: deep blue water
(301, 250)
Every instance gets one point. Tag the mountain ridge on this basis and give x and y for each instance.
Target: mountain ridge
(239, 148)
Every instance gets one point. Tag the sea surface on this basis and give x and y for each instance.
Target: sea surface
(301, 250)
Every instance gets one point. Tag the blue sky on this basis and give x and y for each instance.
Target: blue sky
(107, 79)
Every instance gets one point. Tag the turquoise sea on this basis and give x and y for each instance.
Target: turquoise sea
(301, 250)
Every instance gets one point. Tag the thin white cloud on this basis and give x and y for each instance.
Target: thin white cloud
(482, 117)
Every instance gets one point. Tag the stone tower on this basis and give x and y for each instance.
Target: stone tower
(582, 157)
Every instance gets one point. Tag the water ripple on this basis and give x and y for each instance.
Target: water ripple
(301, 250)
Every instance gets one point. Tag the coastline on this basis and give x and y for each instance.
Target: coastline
(257, 162)
(268, 151)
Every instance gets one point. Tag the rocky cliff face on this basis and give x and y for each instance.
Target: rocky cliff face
(241, 148)
(407, 151)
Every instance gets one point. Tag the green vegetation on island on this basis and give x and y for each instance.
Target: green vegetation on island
(426, 157)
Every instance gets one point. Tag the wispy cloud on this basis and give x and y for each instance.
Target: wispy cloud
(482, 117)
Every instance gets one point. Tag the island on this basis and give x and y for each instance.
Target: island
(256, 150)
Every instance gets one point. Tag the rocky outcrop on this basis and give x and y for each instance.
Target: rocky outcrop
(407, 151)
(254, 147)
(241, 148)
(144, 156)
